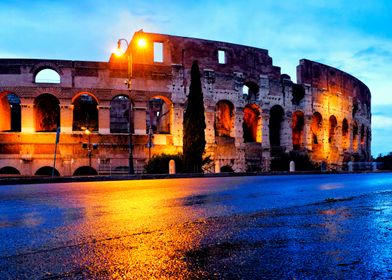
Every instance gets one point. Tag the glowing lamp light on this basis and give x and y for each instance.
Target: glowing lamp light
(141, 43)
(118, 51)
(87, 132)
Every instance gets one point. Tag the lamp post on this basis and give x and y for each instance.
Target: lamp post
(88, 132)
(128, 82)
(141, 43)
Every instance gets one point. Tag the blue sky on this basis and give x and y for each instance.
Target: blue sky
(354, 36)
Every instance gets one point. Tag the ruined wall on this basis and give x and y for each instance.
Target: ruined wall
(253, 113)
(339, 98)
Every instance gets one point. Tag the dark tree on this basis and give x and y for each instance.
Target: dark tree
(194, 124)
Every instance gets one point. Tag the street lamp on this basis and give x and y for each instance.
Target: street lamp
(88, 132)
(141, 43)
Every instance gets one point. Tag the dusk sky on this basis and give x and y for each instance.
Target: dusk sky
(354, 36)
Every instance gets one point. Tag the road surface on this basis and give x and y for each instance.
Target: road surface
(262, 227)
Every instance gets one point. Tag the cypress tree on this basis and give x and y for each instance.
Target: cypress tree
(194, 124)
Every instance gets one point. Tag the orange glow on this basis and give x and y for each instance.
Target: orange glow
(141, 43)
(118, 52)
(145, 231)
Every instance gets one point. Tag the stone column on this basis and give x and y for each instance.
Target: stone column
(104, 118)
(139, 118)
(177, 124)
(287, 133)
(266, 147)
(308, 137)
(66, 116)
(238, 129)
(338, 139)
(350, 131)
(210, 120)
(27, 115)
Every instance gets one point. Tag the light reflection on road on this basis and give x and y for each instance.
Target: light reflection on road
(143, 229)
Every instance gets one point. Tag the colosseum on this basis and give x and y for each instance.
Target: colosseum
(253, 112)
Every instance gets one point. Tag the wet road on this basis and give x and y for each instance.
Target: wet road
(271, 227)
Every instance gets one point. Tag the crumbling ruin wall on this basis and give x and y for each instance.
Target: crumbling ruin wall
(253, 113)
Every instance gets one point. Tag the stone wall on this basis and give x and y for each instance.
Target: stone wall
(253, 112)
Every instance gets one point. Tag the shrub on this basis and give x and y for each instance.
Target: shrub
(159, 164)
(302, 162)
(226, 168)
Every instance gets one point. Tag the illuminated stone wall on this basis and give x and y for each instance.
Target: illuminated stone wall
(253, 112)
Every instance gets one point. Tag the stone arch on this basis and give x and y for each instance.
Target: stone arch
(85, 171)
(362, 133)
(298, 123)
(119, 114)
(46, 171)
(333, 123)
(9, 170)
(85, 112)
(10, 111)
(47, 75)
(355, 136)
(345, 134)
(224, 118)
(276, 125)
(316, 128)
(158, 115)
(250, 91)
(252, 123)
(46, 113)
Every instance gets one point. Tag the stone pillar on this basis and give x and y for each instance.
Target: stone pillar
(139, 118)
(210, 120)
(292, 166)
(177, 124)
(338, 142)
(287, 133)
(66, 116)
(308, 137)
(217, 166)
(27, 115)
(172, 167)
(266, 154)
(265, 129)
(238, 129)
(350, 131)
(104, 118)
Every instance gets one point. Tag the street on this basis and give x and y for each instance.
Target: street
(260, 227)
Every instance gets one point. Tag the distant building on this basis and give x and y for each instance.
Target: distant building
(253, 112)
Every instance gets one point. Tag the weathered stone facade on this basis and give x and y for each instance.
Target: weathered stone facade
(253, 112)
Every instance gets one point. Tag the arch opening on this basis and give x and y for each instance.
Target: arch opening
(9, 170)
(345, 134)
(275, 125)
(316, 128)
(85, 113)
(85, 171)
(47, 113)
(48, 76)
(224, 118)
(252, 124)
(355, 136)
(362, 135)
(333, 123)
(10, 111)
(250, 91)
(46, 171)
(298, 130)
(119, 114)
(158, 115)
